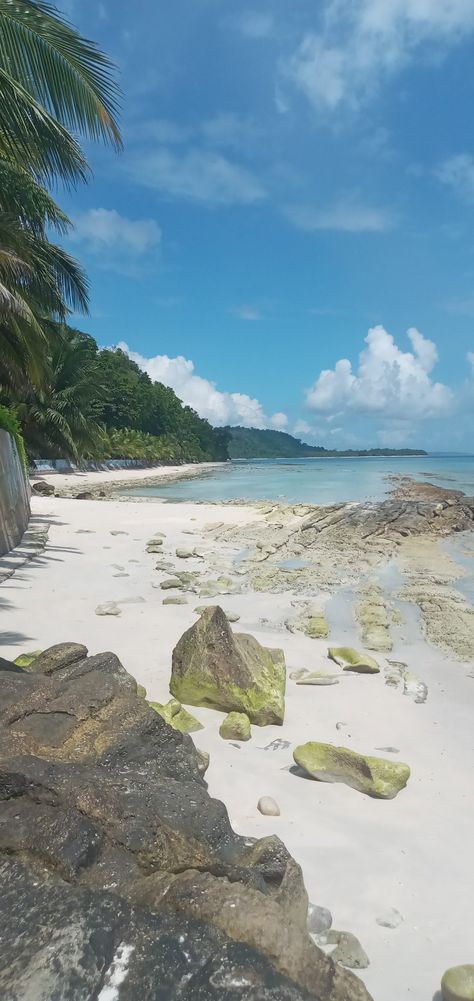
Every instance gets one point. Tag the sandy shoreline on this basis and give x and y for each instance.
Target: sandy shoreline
(111, 480)
(360, 857)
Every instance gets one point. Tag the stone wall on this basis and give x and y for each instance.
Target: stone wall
(14, 495)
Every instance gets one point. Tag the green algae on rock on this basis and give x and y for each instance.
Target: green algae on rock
(26, 659)
(215, 668)
(458, 983)
(351, 660)
(376, 777)
(316, 627)
(236, 726)
(177, 717)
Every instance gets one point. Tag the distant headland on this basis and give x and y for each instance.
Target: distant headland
(252, 443)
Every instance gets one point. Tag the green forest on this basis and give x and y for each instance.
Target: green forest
(251, 443)
(61, 397)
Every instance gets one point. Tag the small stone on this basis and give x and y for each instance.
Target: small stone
(141, 691)
(319, 919)
(268, 807)
(154, 547)
(236, 726)
(458, 983)
(351, 660)
(389, 750)
(390, 919)
(232, 617)
(349, 951)
(120, 575)
(184, 554)
(172, 582)
(317, 678)
(108, 608)
(117, 531)
(163, 565)
(180, 599)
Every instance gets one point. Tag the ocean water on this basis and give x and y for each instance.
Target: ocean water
(314, 481)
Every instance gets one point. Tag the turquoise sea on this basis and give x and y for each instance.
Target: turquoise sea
(314, 481)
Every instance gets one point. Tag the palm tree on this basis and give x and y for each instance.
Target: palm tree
(57, 417)
(54, 85)
(37, 278)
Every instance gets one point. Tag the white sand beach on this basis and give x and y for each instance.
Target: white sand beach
(361, 857)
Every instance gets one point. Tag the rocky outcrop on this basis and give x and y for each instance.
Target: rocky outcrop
(117, 868)
(216, 668)
(375, 777)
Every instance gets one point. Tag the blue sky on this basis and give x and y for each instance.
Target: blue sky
(287, 238)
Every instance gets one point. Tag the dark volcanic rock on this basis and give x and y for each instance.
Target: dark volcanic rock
(117, 868)
(69, 944)
(43, 488)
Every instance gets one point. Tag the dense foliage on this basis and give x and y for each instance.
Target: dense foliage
(252, 443)
(55, 86)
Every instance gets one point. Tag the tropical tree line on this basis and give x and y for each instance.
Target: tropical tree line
(56, 89)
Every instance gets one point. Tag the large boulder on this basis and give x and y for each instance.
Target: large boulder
(103, 809)
(216, 668)
(375, 777)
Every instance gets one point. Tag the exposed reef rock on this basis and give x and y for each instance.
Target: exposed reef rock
(371, 614)
(120, 876)
(216, 668)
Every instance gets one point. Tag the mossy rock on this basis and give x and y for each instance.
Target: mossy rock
(316, 627)
(458, 984)
(26, 659)
(141, 691)
(351, 660)
(236, 726)
(215, 668)
(375, 777)
(317, 678)
(177, 717)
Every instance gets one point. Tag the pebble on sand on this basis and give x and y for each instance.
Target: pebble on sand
(268, 807)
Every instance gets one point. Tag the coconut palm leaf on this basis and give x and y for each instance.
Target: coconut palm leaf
(64, 72)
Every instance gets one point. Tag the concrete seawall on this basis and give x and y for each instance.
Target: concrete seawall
(14, 495)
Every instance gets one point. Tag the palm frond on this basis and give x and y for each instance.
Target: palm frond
(63, 71)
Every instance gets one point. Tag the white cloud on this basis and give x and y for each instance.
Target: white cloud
(116, 243)
(395, 437)
(279, 421)
(302, 427)
(103, 229)
(388, 381)
(254, 24)
(458, 173)
(227, 129)
(249, 313)
(347, 215)
(197, 175)
(219, 408)
(363, 42)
